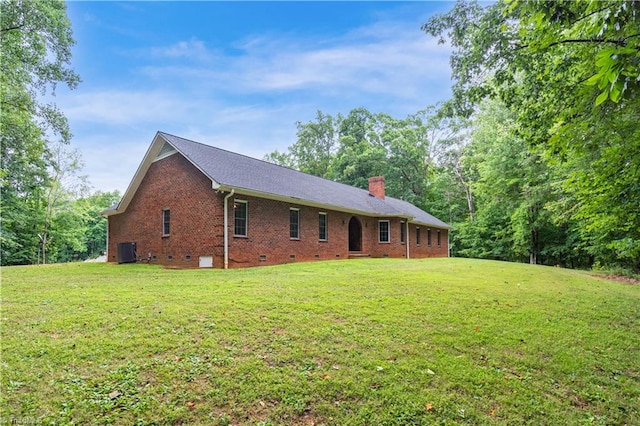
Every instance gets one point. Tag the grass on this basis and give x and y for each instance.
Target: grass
(376, 341)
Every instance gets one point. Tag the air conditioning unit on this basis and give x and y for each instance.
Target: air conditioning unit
(126, 252)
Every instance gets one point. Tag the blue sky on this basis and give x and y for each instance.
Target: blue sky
(238, 75)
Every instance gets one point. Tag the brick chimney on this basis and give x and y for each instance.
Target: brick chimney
(376, 186)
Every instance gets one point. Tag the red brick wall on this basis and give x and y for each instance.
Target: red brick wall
(395, 248)
(197, 226)
(425, 249)
(195, 210)
(268, 240)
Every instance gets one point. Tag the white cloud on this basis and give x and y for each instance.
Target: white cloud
(382, 59)
(249, 101)
(396, 68)
(118, 107)
(192, 49)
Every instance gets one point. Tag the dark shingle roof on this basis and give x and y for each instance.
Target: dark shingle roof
(237, 171)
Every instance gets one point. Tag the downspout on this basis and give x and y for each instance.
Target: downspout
(408, 240)
(448, 245)
(106, 251)
(226, 228)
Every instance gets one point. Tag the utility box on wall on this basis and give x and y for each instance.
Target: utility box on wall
(126, 252)
(205, 262)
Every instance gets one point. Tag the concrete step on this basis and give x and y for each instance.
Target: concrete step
(358, 255)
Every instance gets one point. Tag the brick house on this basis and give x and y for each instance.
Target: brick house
(193, 205)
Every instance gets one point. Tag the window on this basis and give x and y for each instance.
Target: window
(383, 231)
(403, 232)
(418, 236)
(240, 218)
(166, 222)
(294, 224)
(322, 226)
(429, 237)
(438, 238)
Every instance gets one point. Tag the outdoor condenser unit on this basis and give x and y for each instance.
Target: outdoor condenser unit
(126, 252)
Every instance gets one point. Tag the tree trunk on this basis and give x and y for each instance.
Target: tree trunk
(467, 191)
(533, 255)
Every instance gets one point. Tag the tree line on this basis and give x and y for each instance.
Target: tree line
(47, 213)
(535, 158)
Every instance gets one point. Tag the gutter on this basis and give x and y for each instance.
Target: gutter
(226, 228)
(106, 251)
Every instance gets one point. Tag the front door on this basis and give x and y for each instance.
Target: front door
(355, 234)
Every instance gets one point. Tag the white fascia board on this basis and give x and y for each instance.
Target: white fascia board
(163, 156)
(110, 212)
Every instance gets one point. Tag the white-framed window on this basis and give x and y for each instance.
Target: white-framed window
(166, 222)
(322, 226)
(417, 236)
(240, 218)
(438, 238)
(383, 231)
(429, 237)
(403, 232)
(294, 224)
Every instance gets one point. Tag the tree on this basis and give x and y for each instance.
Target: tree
(558, 45)
(96, 224)
(570, 73)
(65, 183)
(35, 49)
(352, 148)
(361, 153)
(316, 145)
(78, 231)
(513, 191)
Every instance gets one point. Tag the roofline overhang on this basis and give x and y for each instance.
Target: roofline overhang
(109, 212)
(308, 203)
(299, 201)
(433, 225)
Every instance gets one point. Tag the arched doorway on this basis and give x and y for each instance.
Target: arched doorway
(355, 234)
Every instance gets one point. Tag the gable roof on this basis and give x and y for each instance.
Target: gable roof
(249, 176)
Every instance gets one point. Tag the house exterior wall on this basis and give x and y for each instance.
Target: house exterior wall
(268, 240)
(396, 248)
(424, 249)
(195, 216)
(196, 226)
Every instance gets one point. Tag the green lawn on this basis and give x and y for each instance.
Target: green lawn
(375, 341)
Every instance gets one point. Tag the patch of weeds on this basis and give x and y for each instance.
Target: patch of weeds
(190, 366)
(297, 403)
(116, 392)
(13, 385)
(223, 420)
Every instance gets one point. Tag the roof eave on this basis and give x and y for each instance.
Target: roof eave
(109, 212)
(433, 225)
(309, 203)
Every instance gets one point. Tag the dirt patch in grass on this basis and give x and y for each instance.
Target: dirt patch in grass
(621, 279)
